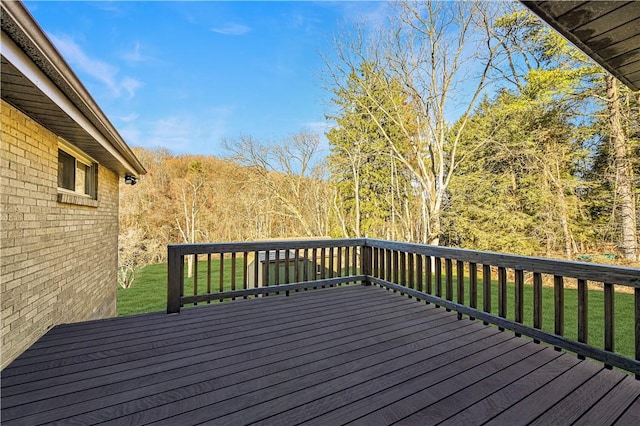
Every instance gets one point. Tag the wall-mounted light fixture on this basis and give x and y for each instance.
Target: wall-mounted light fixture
(130, 180)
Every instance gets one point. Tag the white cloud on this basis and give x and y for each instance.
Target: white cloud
(130, 85)
(318, 126)
(128, 118)
(100, 71)
(193, 132)
(134, 56)
(232, 29)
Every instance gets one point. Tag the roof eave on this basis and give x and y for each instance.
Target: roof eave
(41, 49)
(534, 7)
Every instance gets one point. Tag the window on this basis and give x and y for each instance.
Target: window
(76, 172)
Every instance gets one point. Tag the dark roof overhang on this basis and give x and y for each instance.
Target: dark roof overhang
(607, 31)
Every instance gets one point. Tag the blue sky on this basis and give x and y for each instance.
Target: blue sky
(186, 75)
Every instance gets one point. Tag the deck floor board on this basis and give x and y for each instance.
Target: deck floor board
(357, 354)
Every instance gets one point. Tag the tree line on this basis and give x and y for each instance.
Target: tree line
(542, 157)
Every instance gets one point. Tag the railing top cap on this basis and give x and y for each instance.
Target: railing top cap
(622, 275)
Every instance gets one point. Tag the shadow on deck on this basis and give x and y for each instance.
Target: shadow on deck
(357, 354)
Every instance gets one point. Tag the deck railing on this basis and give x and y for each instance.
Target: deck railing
(507, 291)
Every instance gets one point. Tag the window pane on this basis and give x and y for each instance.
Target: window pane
(66, 171)
(90, 181)
(80, 178)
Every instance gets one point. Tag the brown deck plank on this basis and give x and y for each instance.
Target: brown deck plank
(99, 377)
(294, 410)
(506, 397)
(632, 415)
(572, 407)
(361, 396)
(179, 331)
(235, 370)
(613, 405)
(130, 329)
(229, 404)
(324, 357)
(403, 401)
(454, 403)
(540, 401)
(181, 338)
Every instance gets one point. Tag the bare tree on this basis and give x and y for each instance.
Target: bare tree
(134, 252)
(442, 53)
(193, 199)
(286, 171)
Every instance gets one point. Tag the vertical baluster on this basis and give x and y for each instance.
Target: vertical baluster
(305, 268)
(411, 267)
(419, 272)
(376, 264)
(473, 286)
(389, 265)
(346, 261)
(245, 271)
(396, 277)
(276, 269)
(609, 319)
(296, 266)
(449, 280)
(537, 302)
(636, 296)
(486, 289)
(558, 296)
(233, 273)
(221, 280)
(208, 276)
(323, 264)
(502, 293)
(402, 264)
(438, 272)
(460, 284)
(195, 276)
(256, 268)
(429, 274)
(265, 269)
(366, 263)
(354, 261)
(331, 271)
(583, 313)
(287, 266)
(339, 261)
(519, 297)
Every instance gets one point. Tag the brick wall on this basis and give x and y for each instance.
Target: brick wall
(58, 261)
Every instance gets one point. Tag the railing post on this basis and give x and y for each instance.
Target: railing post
(636, 297)
(609, 319)
(366, 260)
(175, 278)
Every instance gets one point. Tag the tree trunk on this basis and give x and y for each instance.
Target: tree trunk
(624, 173)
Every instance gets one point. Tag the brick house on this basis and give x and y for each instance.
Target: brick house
(61, 162)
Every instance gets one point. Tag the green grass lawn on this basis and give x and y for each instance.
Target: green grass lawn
(624, 312)
(149, 294)
(149, 290)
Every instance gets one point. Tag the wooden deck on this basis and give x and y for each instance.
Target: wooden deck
(346, 354)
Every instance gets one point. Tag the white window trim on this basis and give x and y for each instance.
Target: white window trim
(81, 158)
(71, 150)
